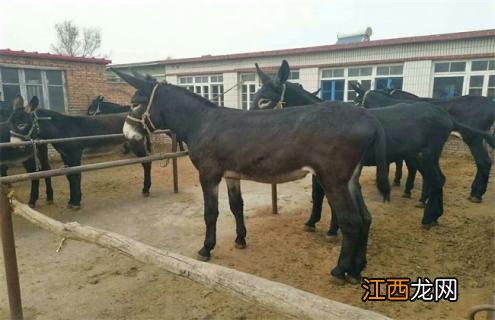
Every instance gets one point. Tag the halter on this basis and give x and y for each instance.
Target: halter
(281, 103)
(35, 129)
(146, 115)
(364, 97)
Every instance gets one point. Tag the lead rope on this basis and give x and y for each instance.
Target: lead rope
(280, 104)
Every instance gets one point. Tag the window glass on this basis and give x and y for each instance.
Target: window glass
(457, 66)
(491, 65)
(491, 87)
(396, 70)
(447, 87)
(442, 67)
(476, 81)
(294, 75)
(479, 65)
(248, 77)
(353, 72)
(32, 76)
(10, 75)
(56, 95)
(54, 77)
(382, 71)
(338, 73)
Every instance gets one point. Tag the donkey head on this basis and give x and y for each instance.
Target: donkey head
(94, 106)
(23, 122)
(138, 121)
(272, 92)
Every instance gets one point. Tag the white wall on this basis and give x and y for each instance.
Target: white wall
(417, 77)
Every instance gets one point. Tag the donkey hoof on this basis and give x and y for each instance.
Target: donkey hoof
(331, 237)
(240, 245)
(32, 205)
(146, 194)
(309, 228)
(339, 280)
(474, 199)
(420, 204)
(406, 195)
(427, 226)
(74, 206)
(353, 280)
(201, 257)
(49, 202)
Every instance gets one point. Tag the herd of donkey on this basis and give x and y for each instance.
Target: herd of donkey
(301, 134)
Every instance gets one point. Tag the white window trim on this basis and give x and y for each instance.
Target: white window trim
(466, 74)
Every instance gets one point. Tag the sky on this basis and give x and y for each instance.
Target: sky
(146, 30)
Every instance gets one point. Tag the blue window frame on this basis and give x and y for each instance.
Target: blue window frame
(332, 90)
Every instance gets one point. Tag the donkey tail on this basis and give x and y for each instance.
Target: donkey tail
(380, 150)
(467, 130)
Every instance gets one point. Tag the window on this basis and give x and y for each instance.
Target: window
(450, 67)
(389, 83)
(359, 72)
(294, 75)
(247, 94)
(389, 70)
(447, 87)
(332, 90)
(10, 84)
(332, 73)
(47, 85)
(248, 77)
(476, 85)
(209, 86)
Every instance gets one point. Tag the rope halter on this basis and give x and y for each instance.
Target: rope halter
(281, 103)
(145, 120)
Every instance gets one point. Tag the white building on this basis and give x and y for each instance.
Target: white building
(431, 66)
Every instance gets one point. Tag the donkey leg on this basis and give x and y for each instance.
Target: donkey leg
(72, 160)
(3, 170)
(30, 166)
(147, 179)
(412, 168)
(237, 207)
(398, 172)
(351, 225)
(483, 166)
(317, 195)
(139, 151)
(435, 180)
(210, 197)
(360, 261)
(45, 165)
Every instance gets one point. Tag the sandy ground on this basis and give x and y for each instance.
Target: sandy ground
(86, 282)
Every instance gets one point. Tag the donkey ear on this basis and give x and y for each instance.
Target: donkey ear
(283, 73)
(136, 80)
(315, 93)
(263, 76)
(33, 104)
(18, 102)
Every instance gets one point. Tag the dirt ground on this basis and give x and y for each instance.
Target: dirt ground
(87, 282)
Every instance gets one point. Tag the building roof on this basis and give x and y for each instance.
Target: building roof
(324, 48)
(50, 56)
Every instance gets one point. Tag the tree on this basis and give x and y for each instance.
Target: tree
(71, 41)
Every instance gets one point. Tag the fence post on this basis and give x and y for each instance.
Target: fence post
(274, 199)
(174, 163)
(9, 256)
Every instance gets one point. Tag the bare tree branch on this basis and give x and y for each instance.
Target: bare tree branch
(71, 42)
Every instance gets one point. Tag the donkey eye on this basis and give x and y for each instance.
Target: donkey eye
(21, 126)
(263, 103)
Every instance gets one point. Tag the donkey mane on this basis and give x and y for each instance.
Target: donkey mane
(193, 95)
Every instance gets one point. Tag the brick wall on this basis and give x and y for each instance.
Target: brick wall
(116, 92)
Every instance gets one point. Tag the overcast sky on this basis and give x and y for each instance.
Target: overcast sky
(143, 30)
